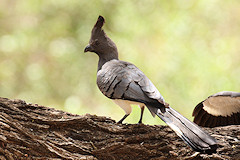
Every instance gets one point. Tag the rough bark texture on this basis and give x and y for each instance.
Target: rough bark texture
(30, 131)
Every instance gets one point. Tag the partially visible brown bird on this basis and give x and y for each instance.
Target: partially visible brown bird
(220, 109)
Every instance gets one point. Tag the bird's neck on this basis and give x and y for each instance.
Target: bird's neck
(105, 58)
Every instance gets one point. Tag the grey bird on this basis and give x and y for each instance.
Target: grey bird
(125, 84)
(220, 109)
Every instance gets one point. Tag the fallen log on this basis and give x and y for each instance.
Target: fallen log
(30, 131)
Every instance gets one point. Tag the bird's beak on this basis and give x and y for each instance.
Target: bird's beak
(88, 48)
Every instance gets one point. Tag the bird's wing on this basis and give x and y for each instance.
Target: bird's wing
(122, 80)
(220, 109)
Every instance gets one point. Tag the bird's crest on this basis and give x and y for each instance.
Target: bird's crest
(99, 22)
(97, 31)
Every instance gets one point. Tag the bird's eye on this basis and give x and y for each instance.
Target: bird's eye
(96, 42)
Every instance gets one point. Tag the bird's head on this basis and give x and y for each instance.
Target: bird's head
(99, 42)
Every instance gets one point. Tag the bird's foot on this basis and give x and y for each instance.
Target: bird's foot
(119, 122)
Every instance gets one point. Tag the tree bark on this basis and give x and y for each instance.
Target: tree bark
(30, 131)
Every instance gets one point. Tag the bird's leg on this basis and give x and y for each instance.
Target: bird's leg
(141, 116)
(124, 117)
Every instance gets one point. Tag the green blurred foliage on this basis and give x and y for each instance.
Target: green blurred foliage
(189, 49)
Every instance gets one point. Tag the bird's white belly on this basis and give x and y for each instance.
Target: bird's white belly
(126, 105)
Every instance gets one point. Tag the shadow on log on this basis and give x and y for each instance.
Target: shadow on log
(30, 131)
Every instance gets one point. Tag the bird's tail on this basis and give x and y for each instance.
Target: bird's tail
(192, 134)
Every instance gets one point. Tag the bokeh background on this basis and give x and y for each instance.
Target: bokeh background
(189, 49)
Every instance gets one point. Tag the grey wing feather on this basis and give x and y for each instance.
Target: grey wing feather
(123, 80)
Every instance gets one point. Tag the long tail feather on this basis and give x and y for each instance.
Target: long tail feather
(192, 134)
